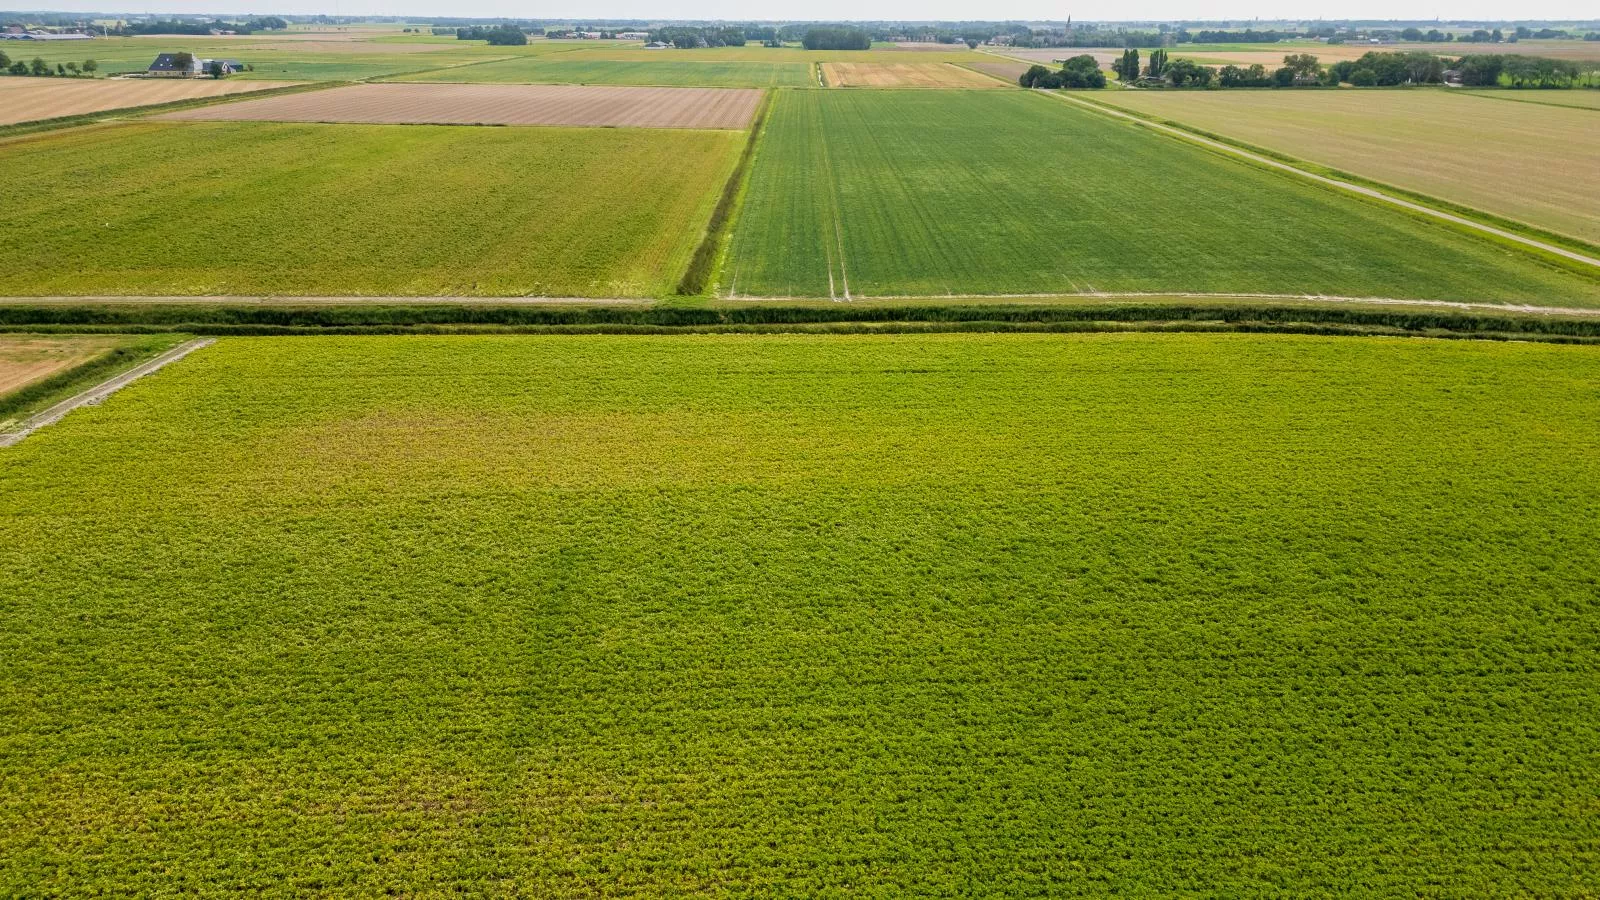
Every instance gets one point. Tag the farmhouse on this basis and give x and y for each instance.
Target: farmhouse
(166, 66)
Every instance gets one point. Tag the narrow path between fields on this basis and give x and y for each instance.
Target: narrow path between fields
(93, 396)
(1334, 182)
(1523, 308)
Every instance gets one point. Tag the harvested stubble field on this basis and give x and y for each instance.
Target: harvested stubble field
(1528, 162)
(31, 99)
(26, 359)
(1000, 68)
(927, 193)
(498, 104)
(329, 210)
(810, 616)
(577, 69)
(905, 75)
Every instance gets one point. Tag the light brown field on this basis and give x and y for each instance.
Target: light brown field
(904, 75)
(25, 359)
(370, 48)
(1530, 162)
(1055, 56)
(31, 99)
(498, 104)
(1005, 69)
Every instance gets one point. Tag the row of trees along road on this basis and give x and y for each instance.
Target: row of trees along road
(41, 69)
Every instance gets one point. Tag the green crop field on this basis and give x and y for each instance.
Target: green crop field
(1535, 163)
(351, 62)
(346, 209)
(757, 53)
(929, 193)
(1586, 99)
(576, 69)
(1136, 615)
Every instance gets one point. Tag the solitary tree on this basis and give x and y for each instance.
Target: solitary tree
(40, 67)
(183, 61)
(90, 66)
(18, 68)
(215, 69)
(5, 61)
(72, 69)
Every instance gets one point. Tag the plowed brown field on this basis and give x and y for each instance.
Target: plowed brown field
(1005, 69)
(31, 99)
(904, 75)
(499, 104)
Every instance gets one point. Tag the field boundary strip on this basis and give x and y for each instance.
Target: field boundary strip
(1371, 193)
(97, 394)
(8, 323)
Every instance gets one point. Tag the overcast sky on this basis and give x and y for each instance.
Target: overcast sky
(879, 9)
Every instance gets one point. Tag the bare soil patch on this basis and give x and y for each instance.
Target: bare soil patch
(31, 99)
(25, 359)
(1002, 68)
(499, 104)
(904, 75)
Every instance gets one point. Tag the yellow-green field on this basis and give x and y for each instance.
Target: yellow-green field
(356, 209)
(1527, 162)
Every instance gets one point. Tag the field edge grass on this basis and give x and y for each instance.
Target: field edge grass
(706, 262)
(41, 394)
(1566, 242)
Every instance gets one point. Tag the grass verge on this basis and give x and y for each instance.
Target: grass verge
(697, 278)
(222, 319)
(64, 384)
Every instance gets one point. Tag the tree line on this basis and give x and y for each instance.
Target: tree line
(41, 69)
(836, 37)
(496, 35)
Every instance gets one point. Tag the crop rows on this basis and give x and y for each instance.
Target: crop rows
(954, 192)
(357, 209)
(1116, 615)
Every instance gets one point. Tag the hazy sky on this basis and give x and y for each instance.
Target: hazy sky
(876, 9)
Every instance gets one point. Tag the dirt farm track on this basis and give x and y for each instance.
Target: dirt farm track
(498, 104)
(31, 99)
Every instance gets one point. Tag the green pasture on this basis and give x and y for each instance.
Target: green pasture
(1114, 615)
(928, 193)
(575, 68)
(356, 209)
(116, 55)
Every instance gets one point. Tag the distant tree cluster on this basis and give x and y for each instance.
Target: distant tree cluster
(496, 35)
(1487, 70)
(689, 38)
(1380, 69)
(1247, 36)
(836, 37)
(41, 69)
(1077, 73)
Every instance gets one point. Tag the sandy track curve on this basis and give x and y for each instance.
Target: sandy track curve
(498, 104)
(93, 396)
